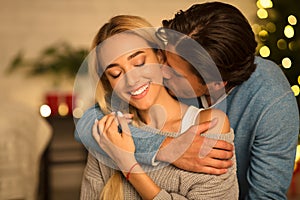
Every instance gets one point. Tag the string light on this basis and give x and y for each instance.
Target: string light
(299, 80)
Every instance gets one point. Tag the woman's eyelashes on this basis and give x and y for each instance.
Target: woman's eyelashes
(114, 73)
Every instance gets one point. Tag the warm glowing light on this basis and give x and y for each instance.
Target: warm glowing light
(296, 90)
(258, 4)
(45, 111)
(263, 35)
(264, 51)
(299, 80)
(286, 63)
(292, 45)
(262, 13)
(289, 31)
(281, 44)
(266, 3)
(63, 109)
(298, 153)
(271, 27)
(292, 20)
(256, 28)
(77, 113)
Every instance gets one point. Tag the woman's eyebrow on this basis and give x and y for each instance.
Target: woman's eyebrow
(134, 54)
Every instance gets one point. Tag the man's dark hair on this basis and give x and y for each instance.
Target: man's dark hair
(224, 32)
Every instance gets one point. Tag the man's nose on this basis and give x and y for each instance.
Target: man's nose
(166, 72)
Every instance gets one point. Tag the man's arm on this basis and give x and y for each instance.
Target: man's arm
(273, 152)
(147, 145)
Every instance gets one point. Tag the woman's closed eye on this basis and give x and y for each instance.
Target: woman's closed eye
(114, 73)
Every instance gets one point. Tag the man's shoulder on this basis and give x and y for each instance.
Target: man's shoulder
(267, 76)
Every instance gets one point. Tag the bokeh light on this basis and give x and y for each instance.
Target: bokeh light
(292, 20)
(45, 110)
(262, 13)
(281, 44)
(271, 27)
(264, 51)
(63, 109)
(289, 31)
(77, 112)
(266, 3)
(295, 89)
(263, 34)
(286, 63)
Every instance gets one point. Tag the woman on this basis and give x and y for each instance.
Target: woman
(128, 63)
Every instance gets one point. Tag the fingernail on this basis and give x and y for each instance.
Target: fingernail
(120, 114)
(96, 121)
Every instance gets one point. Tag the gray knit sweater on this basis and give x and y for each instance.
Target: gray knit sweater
(174, 183)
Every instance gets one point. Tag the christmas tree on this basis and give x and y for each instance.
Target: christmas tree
(278, 35)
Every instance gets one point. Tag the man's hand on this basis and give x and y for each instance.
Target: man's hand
(184, 151)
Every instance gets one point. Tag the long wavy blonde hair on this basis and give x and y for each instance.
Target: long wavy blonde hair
(118, 24)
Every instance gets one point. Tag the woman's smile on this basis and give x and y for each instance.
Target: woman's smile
(140, 92)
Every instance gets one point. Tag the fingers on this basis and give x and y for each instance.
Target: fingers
(224, 145)
(201, 128)
(123, 123)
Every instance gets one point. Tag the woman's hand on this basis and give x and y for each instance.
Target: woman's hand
(114, 137)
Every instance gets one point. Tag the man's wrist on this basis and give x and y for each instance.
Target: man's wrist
(162, 155)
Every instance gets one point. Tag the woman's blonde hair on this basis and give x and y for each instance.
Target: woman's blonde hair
(118, 24)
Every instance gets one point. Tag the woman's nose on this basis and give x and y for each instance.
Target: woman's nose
(132, 77)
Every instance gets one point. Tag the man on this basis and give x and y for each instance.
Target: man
(258, 101)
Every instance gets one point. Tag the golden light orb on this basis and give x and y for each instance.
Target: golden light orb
(63, 109)
(292, 20)
(296, 90)
(262, 13)
(263, 35)
(281, 44)
(289, 31)
(266, 3)
(271, 27)
(264, 51)
(286, 63)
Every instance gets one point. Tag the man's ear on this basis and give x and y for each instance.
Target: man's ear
(216, 86)
(161, 56)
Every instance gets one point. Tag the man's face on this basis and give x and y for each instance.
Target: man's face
(180, 79)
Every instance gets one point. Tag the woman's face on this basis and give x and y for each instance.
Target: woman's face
(136, 77)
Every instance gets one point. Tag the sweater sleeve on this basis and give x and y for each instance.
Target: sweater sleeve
(204, 186)
(147, 143)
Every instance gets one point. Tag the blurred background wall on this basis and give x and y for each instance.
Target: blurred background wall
(29, 26)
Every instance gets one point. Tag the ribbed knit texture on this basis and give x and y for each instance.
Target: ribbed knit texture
(175, 183)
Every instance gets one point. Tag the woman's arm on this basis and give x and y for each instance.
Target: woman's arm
(147, 148)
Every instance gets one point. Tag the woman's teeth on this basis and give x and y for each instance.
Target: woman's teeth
(140, 90)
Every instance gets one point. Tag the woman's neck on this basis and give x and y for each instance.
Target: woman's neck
(165, 114)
